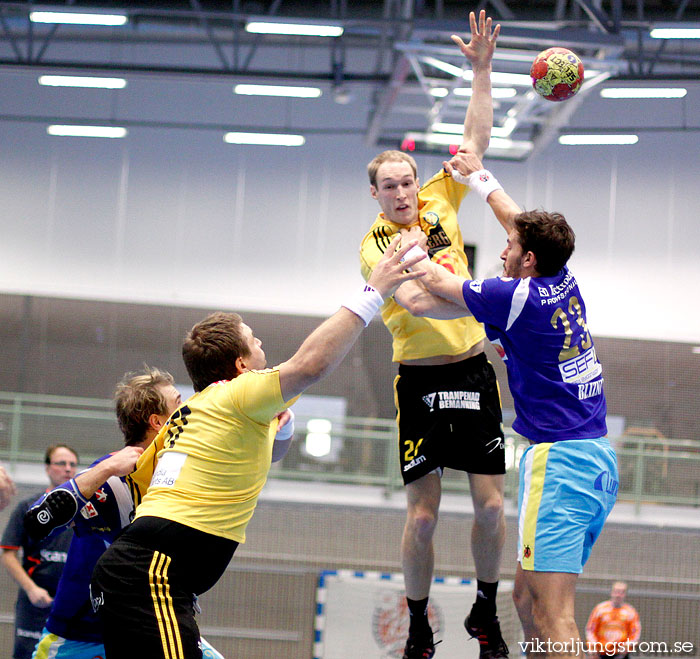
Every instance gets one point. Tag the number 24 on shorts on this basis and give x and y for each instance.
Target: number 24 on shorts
(411, 449)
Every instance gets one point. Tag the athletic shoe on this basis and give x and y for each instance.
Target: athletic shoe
(56, 509)
(491, 643)
(419, 647)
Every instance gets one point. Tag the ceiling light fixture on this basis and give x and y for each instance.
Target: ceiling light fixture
(456, 130)
(264, 139)
(443, 127)
(453, 70)
(521, 79)
(501, 144)
(299, 29)
(86, 131)
(435, 143)
(579, 140)
(675, 33)
(74, 18)
(277, 90)
(642, 92)
(82, 81)
(496, 92)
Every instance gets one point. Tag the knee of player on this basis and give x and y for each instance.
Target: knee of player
(549, 618)
(489, 511)
(423, 523)
(521, 598)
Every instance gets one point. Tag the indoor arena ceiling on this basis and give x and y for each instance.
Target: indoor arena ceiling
(398, 51)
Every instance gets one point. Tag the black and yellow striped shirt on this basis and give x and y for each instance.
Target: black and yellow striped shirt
(417, 338)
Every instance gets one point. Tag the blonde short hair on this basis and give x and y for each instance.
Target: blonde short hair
(389, 156)
(137, 396)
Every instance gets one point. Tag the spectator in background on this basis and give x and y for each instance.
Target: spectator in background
(7, 488)
(42, 562)
(613, 628)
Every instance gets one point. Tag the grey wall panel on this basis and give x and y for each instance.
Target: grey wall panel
(176, 216)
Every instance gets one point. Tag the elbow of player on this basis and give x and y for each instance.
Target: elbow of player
(481, 143)
(420, 311)
(312, 368)
(415, 306)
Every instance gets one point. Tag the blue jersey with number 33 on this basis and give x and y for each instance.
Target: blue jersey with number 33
(554, 375)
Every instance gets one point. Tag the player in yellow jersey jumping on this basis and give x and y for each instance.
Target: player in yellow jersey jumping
(447, 400)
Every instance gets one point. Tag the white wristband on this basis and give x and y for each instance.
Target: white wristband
(414, 251)
(365, 304)
(287, 430)
(459, 177)
(483, 182)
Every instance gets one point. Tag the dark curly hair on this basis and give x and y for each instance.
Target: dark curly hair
(548, 236)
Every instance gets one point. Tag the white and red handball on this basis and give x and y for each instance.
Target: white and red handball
(557, 74)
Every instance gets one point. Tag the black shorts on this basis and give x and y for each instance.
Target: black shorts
(449, 416)
(145, 595)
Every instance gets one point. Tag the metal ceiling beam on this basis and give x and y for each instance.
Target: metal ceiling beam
(682, 4)
(387, 98)
(10, 36)
(177, 125)
(560, 10)
(600, 18)
(48, 38)
(195, 4)
(147, 70)
(515, 33)
(560, 116)
(503, 9)
(384, 45)
(258, 37)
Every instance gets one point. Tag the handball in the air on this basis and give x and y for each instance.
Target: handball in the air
(557, 74)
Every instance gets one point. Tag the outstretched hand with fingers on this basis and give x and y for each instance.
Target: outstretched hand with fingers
(391, 270)
(479, 50)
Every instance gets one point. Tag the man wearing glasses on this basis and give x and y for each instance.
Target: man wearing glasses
(41, 564)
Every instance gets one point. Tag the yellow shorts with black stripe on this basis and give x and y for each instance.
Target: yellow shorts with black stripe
(567, 490)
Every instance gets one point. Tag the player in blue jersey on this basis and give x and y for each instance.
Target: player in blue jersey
(535, 315)
(98, 503)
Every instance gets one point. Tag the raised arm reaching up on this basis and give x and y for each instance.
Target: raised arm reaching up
(479, 51)
(328, 344)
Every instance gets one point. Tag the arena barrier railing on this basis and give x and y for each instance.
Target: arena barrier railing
(351, 450)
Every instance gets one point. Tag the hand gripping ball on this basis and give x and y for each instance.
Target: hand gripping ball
(557, 74)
